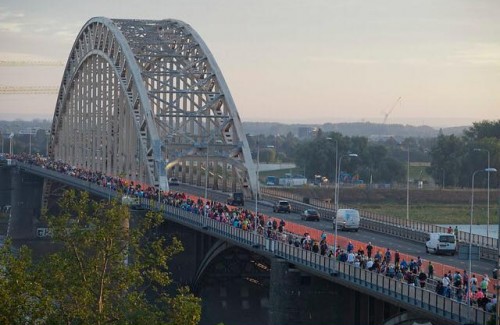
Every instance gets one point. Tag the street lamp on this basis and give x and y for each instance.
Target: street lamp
(488, 199)
(257, 188)
(337, 194)
(206, 176)
(408, 189)
(11, 148)
(488, 170)
(336, 172)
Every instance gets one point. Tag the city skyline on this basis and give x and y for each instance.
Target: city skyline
(294, 61)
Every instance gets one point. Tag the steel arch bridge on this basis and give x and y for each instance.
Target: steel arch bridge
(145, 100)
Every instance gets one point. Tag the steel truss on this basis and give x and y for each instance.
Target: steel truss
(140, 97)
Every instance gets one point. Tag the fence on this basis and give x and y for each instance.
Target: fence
(329, 268)
(414, 296)
(488, 244)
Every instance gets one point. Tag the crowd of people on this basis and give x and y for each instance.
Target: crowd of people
(388, 263)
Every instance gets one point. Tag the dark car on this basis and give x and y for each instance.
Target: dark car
(236, 199)
(173, 181)
(310, 214)
(282, 206)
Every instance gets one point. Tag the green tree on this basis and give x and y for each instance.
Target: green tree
(483, 129)
(447, 158)
(21, 293)
(106, 271)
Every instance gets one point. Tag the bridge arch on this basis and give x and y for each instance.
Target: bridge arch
(145, 99)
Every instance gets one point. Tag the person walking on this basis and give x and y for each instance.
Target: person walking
(369, 249)
(430, 270)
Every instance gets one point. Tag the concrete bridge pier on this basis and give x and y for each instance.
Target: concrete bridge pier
(299, 298)
(4, 186)
(5, 202)
(26, 201)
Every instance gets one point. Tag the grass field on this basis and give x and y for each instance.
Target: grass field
(437, 213)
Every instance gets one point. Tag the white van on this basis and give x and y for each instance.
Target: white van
(347, 219)
(440, 243)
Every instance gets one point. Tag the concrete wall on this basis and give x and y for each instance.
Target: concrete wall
(26, 200)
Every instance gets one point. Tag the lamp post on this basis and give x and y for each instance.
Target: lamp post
(336, 173)
(442, 187)
(488, 198)
(497, 309)
(206, 176)
(337, 196)
(408, 189)
(11, 148)
(488, 170)
(257, 188)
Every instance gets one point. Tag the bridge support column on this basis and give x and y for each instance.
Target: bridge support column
(26, 200)
(5, 186)
(5, 201)
(378, 311)
(363, 308)
(284, 294)
(300, 298)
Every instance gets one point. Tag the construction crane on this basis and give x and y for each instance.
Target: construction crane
(386, 114)
(14, 63)
(30, 90)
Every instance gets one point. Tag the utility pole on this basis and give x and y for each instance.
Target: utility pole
(408, 189)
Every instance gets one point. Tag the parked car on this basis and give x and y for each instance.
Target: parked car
(236, 199)
(282, 206)
(310, 214)
(173, 181)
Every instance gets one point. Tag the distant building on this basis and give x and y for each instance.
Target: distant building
(29, 131)
(305, 132)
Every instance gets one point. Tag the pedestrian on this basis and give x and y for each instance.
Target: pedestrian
(459, 293)
(369, 249)
(350, 247)
(473, 284)
(388, 255)
(484, 284)
(419, 263)
(455, 231)
(450, 230)
(430, 270)
(422, 278)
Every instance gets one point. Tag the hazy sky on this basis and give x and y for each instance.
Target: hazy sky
(309, 61)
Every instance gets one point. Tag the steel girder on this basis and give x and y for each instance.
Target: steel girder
(140, 97)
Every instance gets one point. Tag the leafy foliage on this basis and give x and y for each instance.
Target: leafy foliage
(104, 272)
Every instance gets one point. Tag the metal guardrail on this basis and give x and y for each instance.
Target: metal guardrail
(367, 281)
(398, 227)
(364, 280)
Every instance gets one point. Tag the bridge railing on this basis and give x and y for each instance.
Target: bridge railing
(322, 265)
(329, 208)
(327, 267)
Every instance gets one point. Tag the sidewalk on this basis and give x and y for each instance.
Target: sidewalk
(439, 268)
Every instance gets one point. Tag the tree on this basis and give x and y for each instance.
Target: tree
(21, 294)
(483, 129)
(106, 272)
(447, 157)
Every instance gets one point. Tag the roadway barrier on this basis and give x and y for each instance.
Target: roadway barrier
(489, 248)
(369, 281)
(364, 280)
